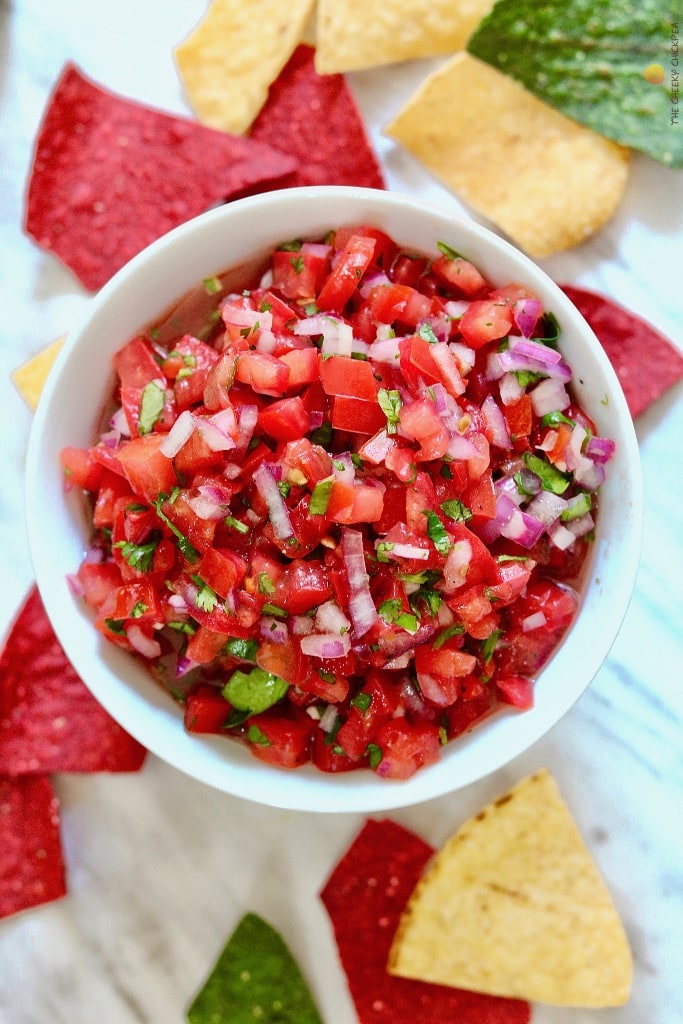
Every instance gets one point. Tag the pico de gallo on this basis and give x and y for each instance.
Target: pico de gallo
(342, 513)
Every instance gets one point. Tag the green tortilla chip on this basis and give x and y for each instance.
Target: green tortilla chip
(593, 60)
(254, 979)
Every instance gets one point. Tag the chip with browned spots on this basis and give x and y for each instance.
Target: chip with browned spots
(545, 181)
(514, 905)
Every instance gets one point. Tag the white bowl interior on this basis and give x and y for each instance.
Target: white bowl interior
(69, 412)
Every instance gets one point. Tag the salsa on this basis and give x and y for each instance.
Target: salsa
(341, 510)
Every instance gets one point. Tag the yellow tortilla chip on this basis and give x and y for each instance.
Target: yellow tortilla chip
(542, 179)
(30, 377)
(355, 34)
(234, 54)
(513, 905)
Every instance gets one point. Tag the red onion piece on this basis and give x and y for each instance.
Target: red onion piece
(267, 487)
(179, 434)
(361, 606)
(498, 432)
(326, 645)
(526, 313)
(549, 395)
(238, 316)
(143, 644)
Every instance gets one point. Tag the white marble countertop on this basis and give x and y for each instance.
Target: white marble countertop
(161, 868)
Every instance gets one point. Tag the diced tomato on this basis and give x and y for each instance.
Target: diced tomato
(300, 274)
(99, 580)
(374, 704)
(279, 740)
(222, 569)
(303, 585)
(135, 364)
(285, 420)
(80, 468)
(341, 375)
(266, 374)
(302, 364)
(203, 647)
(518, 416)
(459, 274)
(206, 710)
(328, 755)
(356, 416)
(148, 471)
(348, 271)
(484, 321)
(516, 690)
(406, 747)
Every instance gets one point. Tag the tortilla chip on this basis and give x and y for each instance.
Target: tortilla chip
(364, 897)
(49, 720)
(316, 119)
(228, 62)
(542, 179)
(111, 175)
(355, 34)
(646, 362)
(31, 861)
(29, 378)
(513, 905)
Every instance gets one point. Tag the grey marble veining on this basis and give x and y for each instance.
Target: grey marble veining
(160, 867)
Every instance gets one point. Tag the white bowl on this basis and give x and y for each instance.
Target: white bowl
(69, 412)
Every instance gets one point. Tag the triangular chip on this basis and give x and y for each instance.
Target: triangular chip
(111, 175)
(355, 34)
(230, 59)
(31, 859)
(30, 377)
(316, 120)
(49, 720)
(545, 181)
(255, 978)
(514, 905)
(646, 362)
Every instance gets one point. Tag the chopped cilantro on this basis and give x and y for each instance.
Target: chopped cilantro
(212, 285)
(151, 406)
(553, 419)
(206, 598)
(551, 478)
(488, 645)
(293, 246)
(236, 524)
(138, 556)
(393, 612)
(239, 647)
(437, 532)
(382, 548)
(138, 610)
(257, 736)
(457, 629)
(116, 626)
(322, 435)
(297, 263)
(374, 754)
(272, 609)
(254, 691)
(456, 510)
(448, 251)
(362, 701)
(320, 496)
(265, 584)
(186, 548)
(390, 404)
(427, 334)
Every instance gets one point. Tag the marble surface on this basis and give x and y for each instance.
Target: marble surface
(160, 868)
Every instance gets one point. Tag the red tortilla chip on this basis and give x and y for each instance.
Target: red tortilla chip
(49, 720)
(31, 862)
(364, 897)
(315, 118)
(646, 362)
(111, 175)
